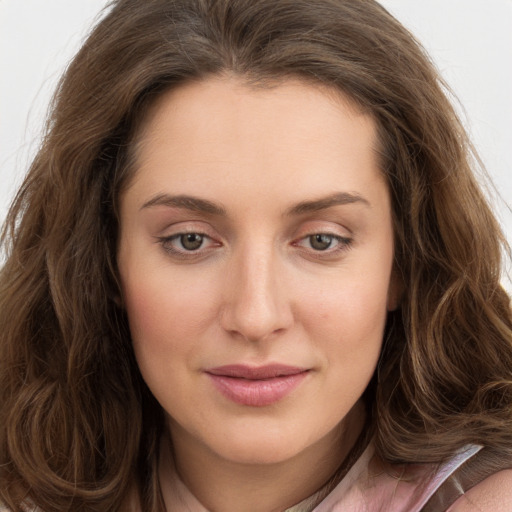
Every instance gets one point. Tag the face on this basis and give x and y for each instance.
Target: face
(255, 256)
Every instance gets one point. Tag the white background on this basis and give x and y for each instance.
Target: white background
(470, 41)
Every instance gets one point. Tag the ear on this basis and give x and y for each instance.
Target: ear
(395, 291)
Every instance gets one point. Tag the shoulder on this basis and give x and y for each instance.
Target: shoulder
(494, 494)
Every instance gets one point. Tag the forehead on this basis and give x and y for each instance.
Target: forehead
(204, 104)
(222, 131)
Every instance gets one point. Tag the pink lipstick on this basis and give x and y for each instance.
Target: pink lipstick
(256, 386)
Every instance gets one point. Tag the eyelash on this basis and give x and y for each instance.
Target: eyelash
(166, 243)
(343, 244)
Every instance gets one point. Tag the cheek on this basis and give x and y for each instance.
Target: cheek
(156, 317)
(346, 322)
(350, 339)
(149, 312)
(162, 331)
(162, 307)
(347, 305)
(168, 314)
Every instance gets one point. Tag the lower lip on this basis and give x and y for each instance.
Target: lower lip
(257, 393)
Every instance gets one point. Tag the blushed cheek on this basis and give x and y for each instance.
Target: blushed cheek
(151, 321)
(149, 313)
(352, 316)
(164, 313)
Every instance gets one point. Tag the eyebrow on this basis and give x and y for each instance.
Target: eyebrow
(186, 202)
(196, 204)
(337, 199)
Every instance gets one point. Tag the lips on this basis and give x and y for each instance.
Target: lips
(256, 386)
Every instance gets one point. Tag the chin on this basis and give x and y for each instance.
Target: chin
(260, 453)
(260, 446)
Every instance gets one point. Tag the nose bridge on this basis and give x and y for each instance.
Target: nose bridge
(256, 304)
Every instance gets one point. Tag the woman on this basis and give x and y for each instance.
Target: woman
(251, 269)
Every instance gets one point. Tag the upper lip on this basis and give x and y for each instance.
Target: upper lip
(242, 371)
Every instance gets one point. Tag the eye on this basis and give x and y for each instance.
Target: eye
(324, 242)
(191, 241)
(321, 242)
(187, 245)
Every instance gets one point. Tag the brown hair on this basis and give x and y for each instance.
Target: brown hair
(78, 428)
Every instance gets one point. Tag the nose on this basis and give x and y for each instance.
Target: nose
(256, 305)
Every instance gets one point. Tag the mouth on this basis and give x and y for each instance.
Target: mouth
(256, 386)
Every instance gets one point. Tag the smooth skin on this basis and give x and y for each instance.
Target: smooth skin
(257, 230)
(494, 494)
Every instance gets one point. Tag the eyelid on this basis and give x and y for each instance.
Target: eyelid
(183, 254)
(327, 226)
(344, 241)
(187, 226)
(342, 234)
(175, 231)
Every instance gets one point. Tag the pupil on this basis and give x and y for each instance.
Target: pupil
(321, 242)
(191, 241)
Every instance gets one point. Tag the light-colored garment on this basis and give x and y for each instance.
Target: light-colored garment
(365, 488)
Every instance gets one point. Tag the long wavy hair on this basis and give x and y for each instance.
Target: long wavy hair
(79, 430)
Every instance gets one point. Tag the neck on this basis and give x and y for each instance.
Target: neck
(222, 485)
